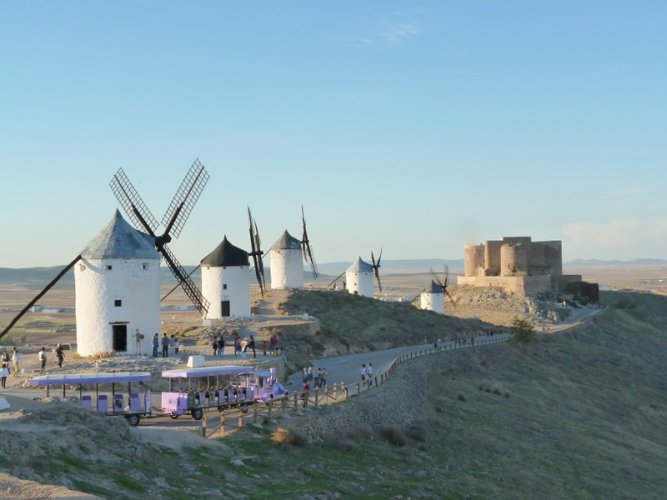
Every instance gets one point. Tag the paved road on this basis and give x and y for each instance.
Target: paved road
(347, 369)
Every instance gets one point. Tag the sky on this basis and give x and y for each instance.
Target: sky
(412, 126)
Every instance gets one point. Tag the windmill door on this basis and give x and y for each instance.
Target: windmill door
(119, 338)
(224, 308)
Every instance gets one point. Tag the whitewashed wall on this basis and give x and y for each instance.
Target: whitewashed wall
(360, 283)
(237, 279)
(433, 302)
(136, 282)
(286, 269)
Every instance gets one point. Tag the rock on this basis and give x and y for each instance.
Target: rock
(4, 404)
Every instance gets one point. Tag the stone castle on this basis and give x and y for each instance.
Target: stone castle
(517, 265)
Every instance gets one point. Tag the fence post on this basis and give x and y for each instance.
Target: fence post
(269, 405)
(358, 388)
(254, 411)
(222, 424)
(203, 427)
(376, 381)
(317, 396)
(284, 403)
(240, 420)
(346, 392)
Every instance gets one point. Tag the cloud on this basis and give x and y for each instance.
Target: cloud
(389, 31)
(617, 238)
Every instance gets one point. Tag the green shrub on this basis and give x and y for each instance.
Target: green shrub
(523, 330)
(394, 436)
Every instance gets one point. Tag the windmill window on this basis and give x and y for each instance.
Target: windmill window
(109, 268)
(144, 266)
(224, 286)
(117, 303)
(82, 267)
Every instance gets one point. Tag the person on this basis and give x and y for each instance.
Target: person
(155, 344)
(177, 346)
(265, 347)
(369, 373)
(4, 372)
(310, 374)
(363, 372)
(214, 344)
(304, 393)
(172, 344)
(16, 361)
(60, 355)
(251, 345)
(305, 374)
(237, 346)
(221, 346)
(323, 377)
(42, 360)
(165, 346)
(273, 343)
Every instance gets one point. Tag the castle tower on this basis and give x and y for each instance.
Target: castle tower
(433, 299)
(473, 260)
(117, 286)
(225, 281)
(359, 278)
(286, 263)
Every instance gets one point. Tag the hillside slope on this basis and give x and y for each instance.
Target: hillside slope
(578, 414)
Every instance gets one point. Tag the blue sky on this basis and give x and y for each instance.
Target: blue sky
(418, 126)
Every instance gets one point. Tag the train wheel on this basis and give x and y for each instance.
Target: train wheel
(134, 420)
(244, 409)
(173, 415)
(197, 413)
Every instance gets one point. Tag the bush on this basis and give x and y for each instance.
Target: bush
(289, 436)
(523, 330)
(394, 436)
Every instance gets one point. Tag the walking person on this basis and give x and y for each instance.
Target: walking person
(16, 361)
(41, 356)
(177, 346)
(362, 372)
(4, 372)
(60, 355)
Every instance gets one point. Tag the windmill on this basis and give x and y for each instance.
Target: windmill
(433, 298)
(359, 276)
(173, 220)
(306, 247)
(256, 252)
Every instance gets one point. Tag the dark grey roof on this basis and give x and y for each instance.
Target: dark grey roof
(286, 242)
(119, 240)
(436, 288)
(226, 255)
(359, 266)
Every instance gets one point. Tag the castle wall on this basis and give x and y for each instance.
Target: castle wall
(517, 285)
(513, 259)
(526, 240)
(492, 258)
(553, 256)
(560, 282)
(473, 260)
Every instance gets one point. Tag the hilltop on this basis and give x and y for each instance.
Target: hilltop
(574, 414)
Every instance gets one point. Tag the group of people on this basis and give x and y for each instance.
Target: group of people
(317, 381)
(15, 359)
(366, 373)
(170, 345)
(243, 346)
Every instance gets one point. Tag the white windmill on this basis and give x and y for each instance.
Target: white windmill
(359, 276)
(433, 298)
(117, 287)
(287, 256)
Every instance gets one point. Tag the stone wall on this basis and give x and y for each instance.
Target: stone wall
(518, 285)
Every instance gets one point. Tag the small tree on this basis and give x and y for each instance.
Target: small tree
(523, 330)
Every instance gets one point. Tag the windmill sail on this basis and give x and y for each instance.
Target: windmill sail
(39, 295)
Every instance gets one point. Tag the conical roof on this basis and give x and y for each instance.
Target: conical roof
(436, 288)
(226, 255)
(286, 242)
(359, 266)
(119, 240)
